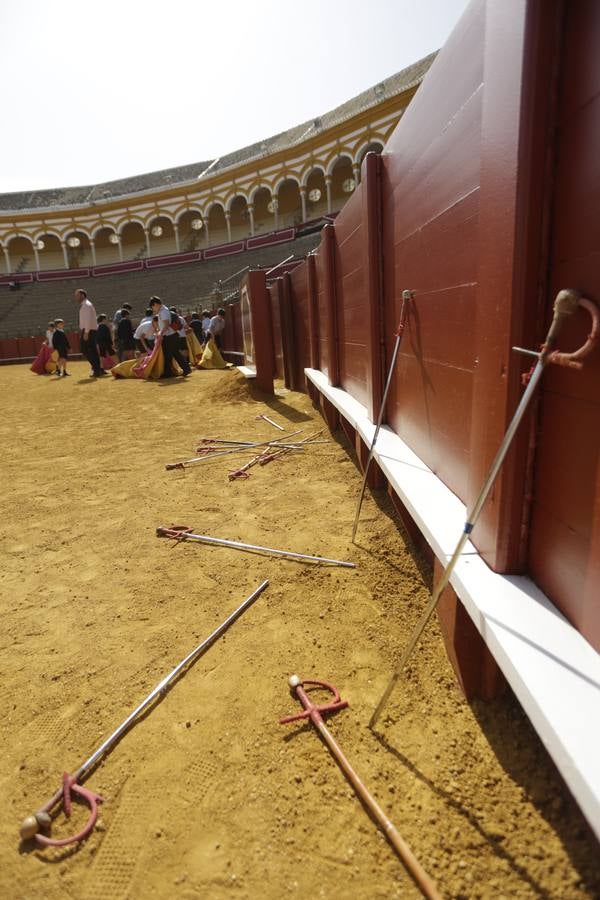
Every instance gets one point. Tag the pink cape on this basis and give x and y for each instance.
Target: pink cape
(39, 364)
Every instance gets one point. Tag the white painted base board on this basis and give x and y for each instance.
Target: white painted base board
(552, 669)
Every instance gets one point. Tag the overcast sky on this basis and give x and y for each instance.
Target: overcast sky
(97, 91)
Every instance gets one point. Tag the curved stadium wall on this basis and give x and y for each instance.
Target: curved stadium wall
(252, 205)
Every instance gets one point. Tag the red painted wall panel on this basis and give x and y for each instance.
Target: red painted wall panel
(232, 335)
(26, 347)
(9, 348)
(320, 290)
(466, 186)
(430, 220)
(352, 315)
(273, 292)
(564, 551)
(300, 311)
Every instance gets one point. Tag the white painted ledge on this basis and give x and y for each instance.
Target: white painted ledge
(552, 669)
(246, 371)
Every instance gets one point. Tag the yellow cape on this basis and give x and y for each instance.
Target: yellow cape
(211, 358)
(194, 348)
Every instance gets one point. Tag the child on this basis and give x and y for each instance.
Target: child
(104, 337)
(144, 334)
(117, 318)
(179, 325)
(49, 335)
(205, 324)
(60, 342)
(125, 341)
(196, 326)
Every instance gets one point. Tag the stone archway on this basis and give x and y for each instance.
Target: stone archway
(20, 256)
(161, 236)
(216, 225)
(264, 211)
(343, 182)
(78, 250)
(49, 251)
(133, 240)
(289, 202)
(239, 218)
(106, 246)
(191, 227)
(316, 195)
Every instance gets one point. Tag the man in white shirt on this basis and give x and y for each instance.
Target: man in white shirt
(88, 324)
(217, 326)
(170, 338)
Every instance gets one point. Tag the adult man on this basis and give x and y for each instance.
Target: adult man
(170, 338)
(88, 324)
(217, 326)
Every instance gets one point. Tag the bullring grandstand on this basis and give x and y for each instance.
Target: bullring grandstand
(186, 232)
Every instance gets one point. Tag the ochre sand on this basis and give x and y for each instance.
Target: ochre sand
(208, 796)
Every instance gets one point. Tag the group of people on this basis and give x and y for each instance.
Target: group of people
(100, 341)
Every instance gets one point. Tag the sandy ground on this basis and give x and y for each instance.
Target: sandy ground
(208, 796)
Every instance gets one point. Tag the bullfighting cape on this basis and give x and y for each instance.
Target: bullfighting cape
(45, 361)
(211, 358)
(150, 366)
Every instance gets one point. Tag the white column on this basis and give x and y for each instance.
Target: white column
(176, 231)
(275, 202)
(93, 249)
(65, 254)
(147, 234)
(120, 246)
(228, 223)
(303, 201)
(37, 258)
(251, 216)
(8, 262)
(356, 170)
(328, 188)
(206, 232)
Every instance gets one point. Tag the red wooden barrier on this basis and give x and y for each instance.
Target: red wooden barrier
(9, 348)
(258, 328)
(26, 348)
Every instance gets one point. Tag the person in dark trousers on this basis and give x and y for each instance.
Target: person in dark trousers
(205, 325)
(116, 320)
(217, 326)
(170, 338)
(125, 341)
(88, 324)
(144, 334)
(104, 337)
(60, 343)
(179, 325)
(196, 326)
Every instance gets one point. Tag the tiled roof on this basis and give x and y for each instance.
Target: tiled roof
(77, 196)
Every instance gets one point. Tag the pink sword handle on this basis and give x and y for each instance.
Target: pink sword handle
(313, 710)
(573, 360)
(92, 800)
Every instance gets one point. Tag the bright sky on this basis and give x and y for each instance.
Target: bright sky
(104, 90)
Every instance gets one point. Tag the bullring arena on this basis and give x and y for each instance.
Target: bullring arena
(484, 757)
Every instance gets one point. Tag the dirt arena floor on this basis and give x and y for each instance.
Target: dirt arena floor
(208, 796)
